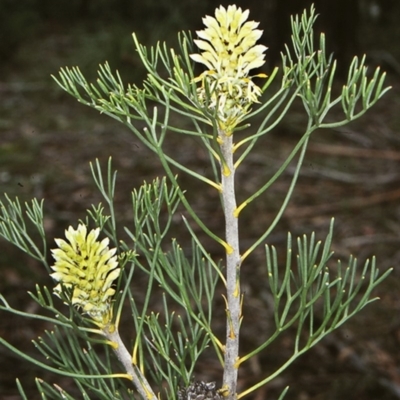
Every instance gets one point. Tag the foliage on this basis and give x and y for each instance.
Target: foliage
(85, 344)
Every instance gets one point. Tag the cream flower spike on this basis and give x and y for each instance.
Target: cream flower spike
(229, 51)
(89, 268)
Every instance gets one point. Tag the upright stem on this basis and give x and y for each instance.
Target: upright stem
(233, 297)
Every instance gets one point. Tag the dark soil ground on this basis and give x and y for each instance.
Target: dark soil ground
(47, 140)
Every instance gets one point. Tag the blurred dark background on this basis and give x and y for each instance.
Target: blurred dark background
(351, 26)
(47, 140)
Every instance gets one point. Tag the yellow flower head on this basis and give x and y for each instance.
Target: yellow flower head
(229, 51)
(89, 267)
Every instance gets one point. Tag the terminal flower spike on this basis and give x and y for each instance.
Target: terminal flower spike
(229, 51)
(89, 268)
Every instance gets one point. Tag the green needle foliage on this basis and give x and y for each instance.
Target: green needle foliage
(94, 268)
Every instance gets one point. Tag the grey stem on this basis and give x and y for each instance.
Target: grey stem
(138, 379)
(233, 261)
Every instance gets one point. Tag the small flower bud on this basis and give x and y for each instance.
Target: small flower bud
(199, 391)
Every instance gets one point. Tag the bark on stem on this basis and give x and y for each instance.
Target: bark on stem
(140, 382)
(233, 311)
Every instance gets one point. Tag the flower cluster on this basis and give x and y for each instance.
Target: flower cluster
(229, 51)
(89, 268)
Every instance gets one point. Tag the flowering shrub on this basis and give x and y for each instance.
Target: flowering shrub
(93, 277)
